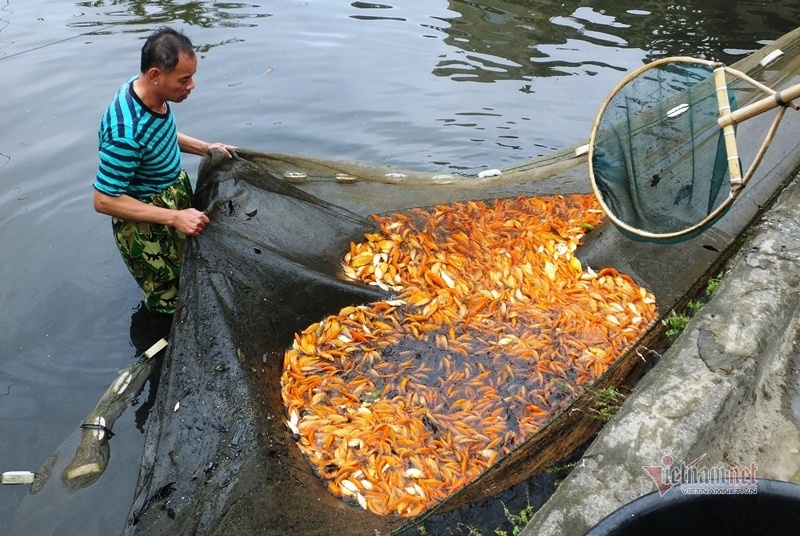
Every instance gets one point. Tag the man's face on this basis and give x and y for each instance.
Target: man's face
(176, 85)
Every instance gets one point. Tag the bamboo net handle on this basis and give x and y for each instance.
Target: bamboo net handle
(730, 134)
(781, 98)
(755, 83)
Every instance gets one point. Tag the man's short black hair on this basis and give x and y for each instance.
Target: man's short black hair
(163, 49)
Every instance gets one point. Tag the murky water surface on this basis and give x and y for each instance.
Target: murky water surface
(431, 85)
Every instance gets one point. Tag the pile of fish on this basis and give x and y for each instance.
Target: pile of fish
(495, 328)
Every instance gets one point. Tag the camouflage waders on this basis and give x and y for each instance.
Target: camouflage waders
(154, 252)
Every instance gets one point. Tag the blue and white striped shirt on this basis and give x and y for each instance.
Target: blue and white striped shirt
(139, 153)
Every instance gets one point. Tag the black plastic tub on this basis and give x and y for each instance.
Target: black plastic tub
(774, 509)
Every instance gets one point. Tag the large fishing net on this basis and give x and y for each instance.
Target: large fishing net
(359, 346)
(394, 356)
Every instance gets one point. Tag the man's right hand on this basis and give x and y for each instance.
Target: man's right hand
(190, 221)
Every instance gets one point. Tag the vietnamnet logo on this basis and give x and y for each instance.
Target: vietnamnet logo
(694, 478)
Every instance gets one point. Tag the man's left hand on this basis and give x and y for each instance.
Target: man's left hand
(226, 149)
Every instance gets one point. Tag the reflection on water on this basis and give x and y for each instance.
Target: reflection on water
(500, 40)
(365, 5)
(496, 40)
(208, 14)
(140, 16)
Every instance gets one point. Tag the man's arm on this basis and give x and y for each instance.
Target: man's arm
(192, 145)
(189, 221)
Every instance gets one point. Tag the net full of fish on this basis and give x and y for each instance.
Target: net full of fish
(494, 329)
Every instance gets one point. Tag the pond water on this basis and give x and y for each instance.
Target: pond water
(456, 86)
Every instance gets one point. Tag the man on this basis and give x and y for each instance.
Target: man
(140, 181)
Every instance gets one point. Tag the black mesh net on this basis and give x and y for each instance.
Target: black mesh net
(309, 399)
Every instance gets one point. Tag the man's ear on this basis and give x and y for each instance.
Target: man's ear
(153, 75)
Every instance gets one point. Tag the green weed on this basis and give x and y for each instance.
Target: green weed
(712, 284)
(518, 521)
(605, 402)
(675, 323)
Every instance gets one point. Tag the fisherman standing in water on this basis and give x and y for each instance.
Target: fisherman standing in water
(141, 184)
(140, 181)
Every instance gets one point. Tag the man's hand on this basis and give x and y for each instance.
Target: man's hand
(226, 149)
(192, 145)
(190, 221)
